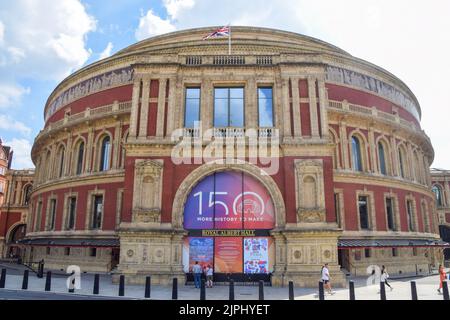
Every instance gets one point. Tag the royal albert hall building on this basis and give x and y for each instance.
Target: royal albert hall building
(265, 163)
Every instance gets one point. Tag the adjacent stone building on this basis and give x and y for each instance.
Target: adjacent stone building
(266, 163)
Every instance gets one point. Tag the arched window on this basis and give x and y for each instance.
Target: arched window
(382, 158)
(401, 162)
(61, 162)
(438, 194)
(79, 159)
(26, 194)
(105, 154)
(356, 154)
(47, 173)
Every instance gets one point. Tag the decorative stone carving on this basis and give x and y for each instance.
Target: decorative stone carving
(147, 191)
(310, 194)
(311, 215)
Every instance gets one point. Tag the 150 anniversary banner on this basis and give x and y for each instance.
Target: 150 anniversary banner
(229, 215)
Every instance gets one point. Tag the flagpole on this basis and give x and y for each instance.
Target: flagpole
(229, 41)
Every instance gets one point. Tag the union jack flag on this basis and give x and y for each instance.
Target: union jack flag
(222, 32)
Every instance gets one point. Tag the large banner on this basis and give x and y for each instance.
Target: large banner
(256, 255)
(229, 200)
(228, 255)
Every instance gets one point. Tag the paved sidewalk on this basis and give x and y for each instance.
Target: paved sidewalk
(426, 288)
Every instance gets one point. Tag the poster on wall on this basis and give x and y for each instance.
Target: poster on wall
(256, 255)
(228, 255)
(201, 250)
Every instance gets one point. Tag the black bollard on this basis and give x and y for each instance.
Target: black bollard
(321, 292)
(382, 291)
(3, 279)
(175, 289)
(25, 280)
(261, 290)
(96, 284)
(445, 290)
(48, 281)
(413, 290)
(202, 290)
(148, 284)
(351, 286)
(291, 290)
(122, 286)
(231, 296)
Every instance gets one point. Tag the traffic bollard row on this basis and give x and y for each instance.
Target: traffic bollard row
(25, 280)
(291, 290)
(382, 291)
(121, 286)
(175, 289)
(48, 281)
(261, 290)
(148, 281)
(96, 289)
(321, 292)
(413, 291)
(202, 290)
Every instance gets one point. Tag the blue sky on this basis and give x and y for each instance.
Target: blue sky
(43, 41)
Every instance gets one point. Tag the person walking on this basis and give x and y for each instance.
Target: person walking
(442, 277)
(197, 271)
(326, 278)
(209, 276)
(385, 276)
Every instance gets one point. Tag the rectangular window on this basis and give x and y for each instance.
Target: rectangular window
(390, 214)
(414, 250)
(72, 213)
(97, 212)
(47, 251)
(51, 225)
(67, 251)
(192, 107)
(363, 212)
(92, 252)
(367, 253)
(228, 107)
(265, 107)
(409, 210)
(1, 187)
(394, 252)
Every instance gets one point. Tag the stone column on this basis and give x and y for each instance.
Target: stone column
(171, 110)
(251, 104)
(296, 107)
(68, 155)
(394, 156)
(135, 107)
(144, 108)
(344, 145)
(283, 94)
(206, 105)
(161, 107)
(117, 143)
(89, 150)
(373, 150)
(313, 107)
(323, 107)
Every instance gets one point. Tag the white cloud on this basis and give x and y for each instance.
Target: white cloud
(11, 94)
(152, 25)
(9, 124)
(107, 52)
(22, 153)
(47, 37)
(173, 7)
(405, 37)
(2, 32)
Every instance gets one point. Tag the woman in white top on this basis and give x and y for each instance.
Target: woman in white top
(385, 276)
(209, 276)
